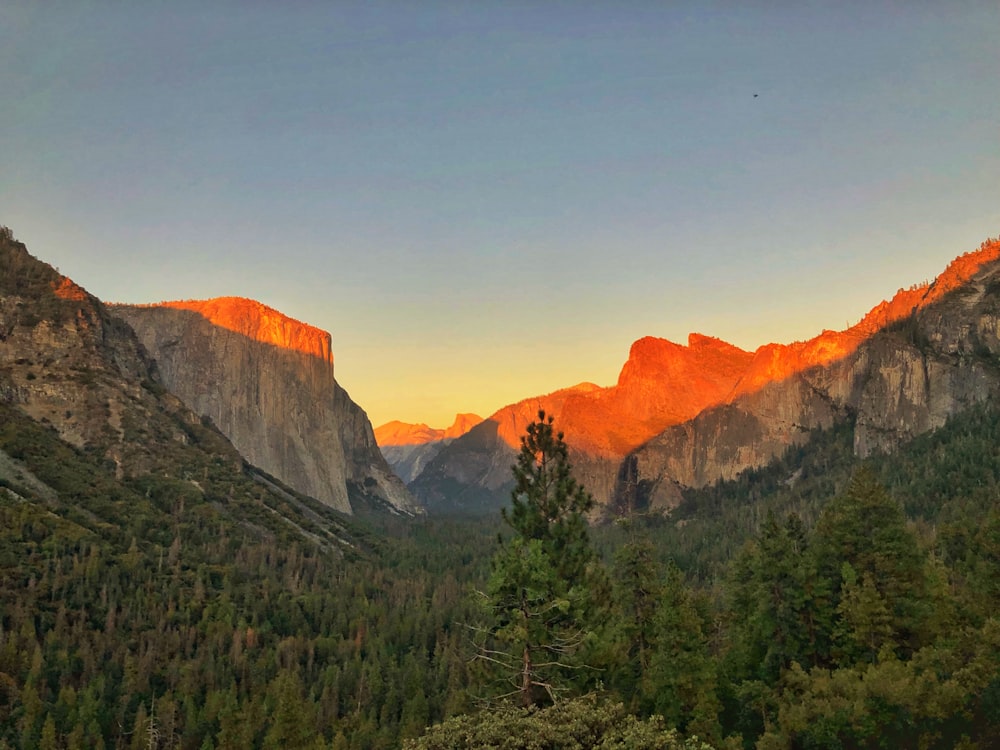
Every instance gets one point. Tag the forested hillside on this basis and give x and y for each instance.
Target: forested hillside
(156, 609)
(147, 613)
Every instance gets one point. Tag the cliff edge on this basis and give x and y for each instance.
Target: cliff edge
(267, 382)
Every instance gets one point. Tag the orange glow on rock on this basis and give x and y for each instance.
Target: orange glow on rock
(398, 433)
(66, 289)
(773, 362)
(261, 323)
(664, 384)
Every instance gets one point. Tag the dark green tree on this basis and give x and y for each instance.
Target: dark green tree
(865, 623)
(538, 591)
(866, 528)
(680, 682)
(547, 503)
(780, 603)
(634, 599)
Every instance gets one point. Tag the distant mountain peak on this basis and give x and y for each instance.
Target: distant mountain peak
(396, 433)
(462, 424)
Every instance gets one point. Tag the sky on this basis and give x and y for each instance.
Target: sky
(486, 201)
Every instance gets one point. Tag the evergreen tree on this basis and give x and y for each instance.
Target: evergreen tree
(780, 604)
(865, 623)
(292, 723)
(538, 591)
(680, 681)
(866, 528)
(547, 503)
(635, 595)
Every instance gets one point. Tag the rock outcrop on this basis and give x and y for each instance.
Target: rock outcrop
(692, 415)
(69, 364)
(911, 363)
(601, 425)
(267, 382)
(409, 447)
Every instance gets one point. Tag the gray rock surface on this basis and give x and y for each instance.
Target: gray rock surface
(267, 382)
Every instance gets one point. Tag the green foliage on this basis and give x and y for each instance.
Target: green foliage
(680, 683)
(782, 602)
(586, 723)
(933, 700)
(538, 595)
(635, 599)
(547, 503)
(196, 609)
(864, 624)
(866, 529)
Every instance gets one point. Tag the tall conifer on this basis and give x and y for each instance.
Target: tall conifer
(538, 590)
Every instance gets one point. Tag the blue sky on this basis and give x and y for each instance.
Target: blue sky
(491, 200)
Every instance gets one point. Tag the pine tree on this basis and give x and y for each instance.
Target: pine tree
(292, 721)
(547, 503)
(866, 528)
(538, 591)
(635, 596)
(865, 623)
(792, 608)
(680, 681)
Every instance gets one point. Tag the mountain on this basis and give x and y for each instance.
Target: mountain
(690, 415)
(156, 586)
(409, 447)
(928, 354)
(89, 434)
(398, 433)
(601, 424)
(267, 382)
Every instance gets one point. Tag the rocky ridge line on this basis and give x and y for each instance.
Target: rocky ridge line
(666, 388)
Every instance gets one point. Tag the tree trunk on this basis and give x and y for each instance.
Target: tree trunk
(526, 678)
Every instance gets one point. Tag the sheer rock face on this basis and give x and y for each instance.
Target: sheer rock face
(909, 365)
(267, 383)
(691, 415)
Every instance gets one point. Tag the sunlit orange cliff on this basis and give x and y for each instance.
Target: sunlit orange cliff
(259, 322)
(267, 382)
(664, 384)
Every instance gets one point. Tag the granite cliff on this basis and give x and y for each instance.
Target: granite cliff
(927, 354)
(690, 415)
(409, 447)
(267, 382)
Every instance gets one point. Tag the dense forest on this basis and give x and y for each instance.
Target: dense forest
(814, 603)
(159, 592)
